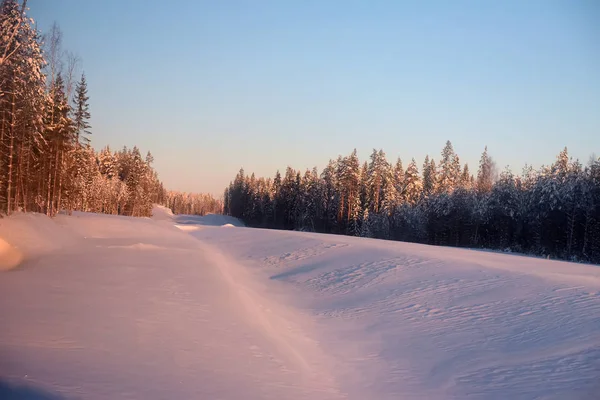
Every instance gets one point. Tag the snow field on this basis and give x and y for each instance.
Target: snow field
(176, 307)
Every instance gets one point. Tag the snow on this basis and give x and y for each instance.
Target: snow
(190, 223)
(175, 307)
(10, 257)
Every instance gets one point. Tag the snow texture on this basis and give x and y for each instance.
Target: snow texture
(115, 307)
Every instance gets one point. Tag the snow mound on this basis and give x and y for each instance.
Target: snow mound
(33, 234)
(161, 213)
(10, 257)
(228, 226)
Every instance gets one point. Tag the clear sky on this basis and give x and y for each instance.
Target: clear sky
(211, 86)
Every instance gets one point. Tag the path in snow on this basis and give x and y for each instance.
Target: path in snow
(179, 307)
(140, 310)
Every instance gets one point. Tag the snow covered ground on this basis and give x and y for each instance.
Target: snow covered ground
(195, 307)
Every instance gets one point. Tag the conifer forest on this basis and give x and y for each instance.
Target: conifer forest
(47, 163)
(551, 212)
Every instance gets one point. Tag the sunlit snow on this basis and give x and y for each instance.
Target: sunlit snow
(176, 307)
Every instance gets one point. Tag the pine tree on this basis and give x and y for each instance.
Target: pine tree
(465, 178)
(484, 175)
(389, 191)
(449, 170)
(378, 173)
(59, 128)
(81, 112)
(413, 186)
(107, 163)
(365, 226)
(331, 196)
(22, 98)
(429, 176)
(398, 180)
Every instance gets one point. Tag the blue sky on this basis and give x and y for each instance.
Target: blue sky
(211, 86)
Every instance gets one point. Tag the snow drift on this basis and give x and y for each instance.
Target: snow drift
(116, 307)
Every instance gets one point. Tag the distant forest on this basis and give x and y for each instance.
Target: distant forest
(552, 212)
(46, 162)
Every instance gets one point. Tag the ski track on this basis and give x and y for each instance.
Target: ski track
(177, 307)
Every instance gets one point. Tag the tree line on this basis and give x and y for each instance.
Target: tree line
(553, 211)
(47, 164)
(193, 203)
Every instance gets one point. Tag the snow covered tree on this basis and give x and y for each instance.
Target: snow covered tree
(81, 112)
(553, 211)
(485, 177)
(399, 180)
(465, 178)
(429, 176)
(413, 187)
(448, 170)
(349, 178)
(22, 102)
(365, 226)
(377, 174)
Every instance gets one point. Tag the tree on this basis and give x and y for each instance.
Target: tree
(43, 166)
(552, 211)
(465, 178)
(449, 170)
(12, 18)
(365, 226)
(81, 112)
(349, 178)
(429, 176)
(413, 186)
(22, 100)
(485, 173)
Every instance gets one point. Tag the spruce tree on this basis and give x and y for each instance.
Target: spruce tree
(484, 175)
(81, 112)
(413, 186)
(449, 170)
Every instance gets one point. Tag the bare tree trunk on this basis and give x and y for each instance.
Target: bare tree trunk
(19, 190)
(60, 176)
(27, 173)
(49, 187)
(10, 159)
(2, 135)
(55, 180)
(19, 179)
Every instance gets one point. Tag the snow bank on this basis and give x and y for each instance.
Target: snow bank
(10, 257)
(161, 213)
(33, 235)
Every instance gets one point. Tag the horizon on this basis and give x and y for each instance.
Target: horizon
(263, 87)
